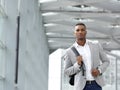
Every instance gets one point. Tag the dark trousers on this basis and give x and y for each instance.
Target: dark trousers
(92, 86)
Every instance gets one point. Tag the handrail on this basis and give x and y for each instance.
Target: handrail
(117, 56)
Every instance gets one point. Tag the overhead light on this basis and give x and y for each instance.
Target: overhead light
(50, 33)
(42, 1)
(115, 26)
(84, 20)
(50, 24)
(81, 6)
(117, 16)
(116, 0)
(50, 41)
(48, 13)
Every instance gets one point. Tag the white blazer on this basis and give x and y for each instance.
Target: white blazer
(99, 60)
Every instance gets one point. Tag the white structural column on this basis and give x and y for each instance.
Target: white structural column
(33, 47)
(33, 53)
(8, 38)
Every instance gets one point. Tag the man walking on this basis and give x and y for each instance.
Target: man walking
(92, 56)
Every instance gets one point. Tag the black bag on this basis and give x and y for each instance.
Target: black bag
(71, 80)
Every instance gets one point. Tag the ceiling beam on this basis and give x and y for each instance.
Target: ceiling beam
(57, 4)
(110, 5)
(89, 1)
(64, 3)
(56, 17)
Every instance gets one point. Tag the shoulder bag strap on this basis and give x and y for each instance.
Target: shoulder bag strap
(77, 54)
(75, 51)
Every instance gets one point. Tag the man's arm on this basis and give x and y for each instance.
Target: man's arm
(70, 68)
(104, 59)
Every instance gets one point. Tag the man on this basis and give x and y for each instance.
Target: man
(92, 56)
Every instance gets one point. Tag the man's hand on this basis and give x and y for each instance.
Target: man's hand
(79, 60)
(95, 72)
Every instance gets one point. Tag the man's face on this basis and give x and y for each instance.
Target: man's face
(80, 32)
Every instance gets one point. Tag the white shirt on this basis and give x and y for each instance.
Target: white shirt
(86, 56)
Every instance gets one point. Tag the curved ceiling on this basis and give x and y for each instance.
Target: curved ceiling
(102, 18)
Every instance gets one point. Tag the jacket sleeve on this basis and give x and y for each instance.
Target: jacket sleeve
(70, 68)
(104, 59)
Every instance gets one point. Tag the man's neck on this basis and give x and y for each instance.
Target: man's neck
(81, 42)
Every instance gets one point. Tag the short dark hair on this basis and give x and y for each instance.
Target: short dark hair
(81, 24)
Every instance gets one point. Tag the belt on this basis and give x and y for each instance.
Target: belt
(90, 82)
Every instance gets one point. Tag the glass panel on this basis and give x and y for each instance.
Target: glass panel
(110, 75)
